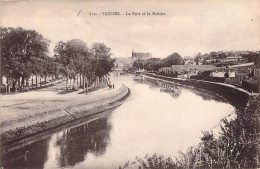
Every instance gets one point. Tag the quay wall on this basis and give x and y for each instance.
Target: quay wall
(236, 96)
(56, 117)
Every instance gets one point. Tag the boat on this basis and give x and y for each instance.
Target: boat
(139, 78)
(171, 90)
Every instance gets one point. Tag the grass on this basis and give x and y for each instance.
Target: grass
(237, 146)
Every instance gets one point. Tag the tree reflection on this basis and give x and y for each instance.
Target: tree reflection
(204, 95)
(208, 97)
(76, 143)
(32, 156)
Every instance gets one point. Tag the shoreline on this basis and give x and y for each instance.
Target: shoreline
(237, 97)
(58, 116)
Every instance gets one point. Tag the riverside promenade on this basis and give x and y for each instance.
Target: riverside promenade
(25, 114)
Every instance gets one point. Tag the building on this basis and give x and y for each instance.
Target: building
(141, 55)
(179, 68)
(225, 60)
(222, 71)
(185, 71)
(189, 61)
(166, 70)
(231, 59)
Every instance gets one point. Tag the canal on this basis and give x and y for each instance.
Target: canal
(149, 121)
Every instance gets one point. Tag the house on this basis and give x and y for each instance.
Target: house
(141, 55)
(166, 70)
(231, 59)
(179, 68)
(225, 60)
(185, 71)
(211, 60)
(223, 72)
(189, 62)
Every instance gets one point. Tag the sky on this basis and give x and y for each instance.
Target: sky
(188, 27)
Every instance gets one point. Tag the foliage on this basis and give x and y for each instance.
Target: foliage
(249, 56)
(24, 53)
(154, 64)
(173, 59)
(237, 146)
(102, 59)
(151, 162)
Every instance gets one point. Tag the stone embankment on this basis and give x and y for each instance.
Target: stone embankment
(52, 114)
(236, 96)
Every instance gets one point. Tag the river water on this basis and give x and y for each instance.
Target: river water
(149, 121)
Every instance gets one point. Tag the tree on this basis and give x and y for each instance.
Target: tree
(20, 50)
(103, 61)
(76, 60)
(257, 61)
(173, 59)
(139, 64)
(69, 55)
(153, 64)
(238, 143)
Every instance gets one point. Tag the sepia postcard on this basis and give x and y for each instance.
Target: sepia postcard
(145, 84)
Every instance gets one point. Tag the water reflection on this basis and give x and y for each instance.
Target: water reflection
(149, 121)
(63, 149)
(33, 156)
(74, 144)
(165, 85)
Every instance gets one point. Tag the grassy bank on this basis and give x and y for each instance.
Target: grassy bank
(236, 146)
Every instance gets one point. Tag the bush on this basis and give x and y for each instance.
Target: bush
(237, 146)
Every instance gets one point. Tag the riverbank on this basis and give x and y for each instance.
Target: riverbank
(236, 145)
(28, 114)
(238, 97)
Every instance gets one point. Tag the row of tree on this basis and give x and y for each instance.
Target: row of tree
(24, 54)
(154, 64)
(250, 56)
